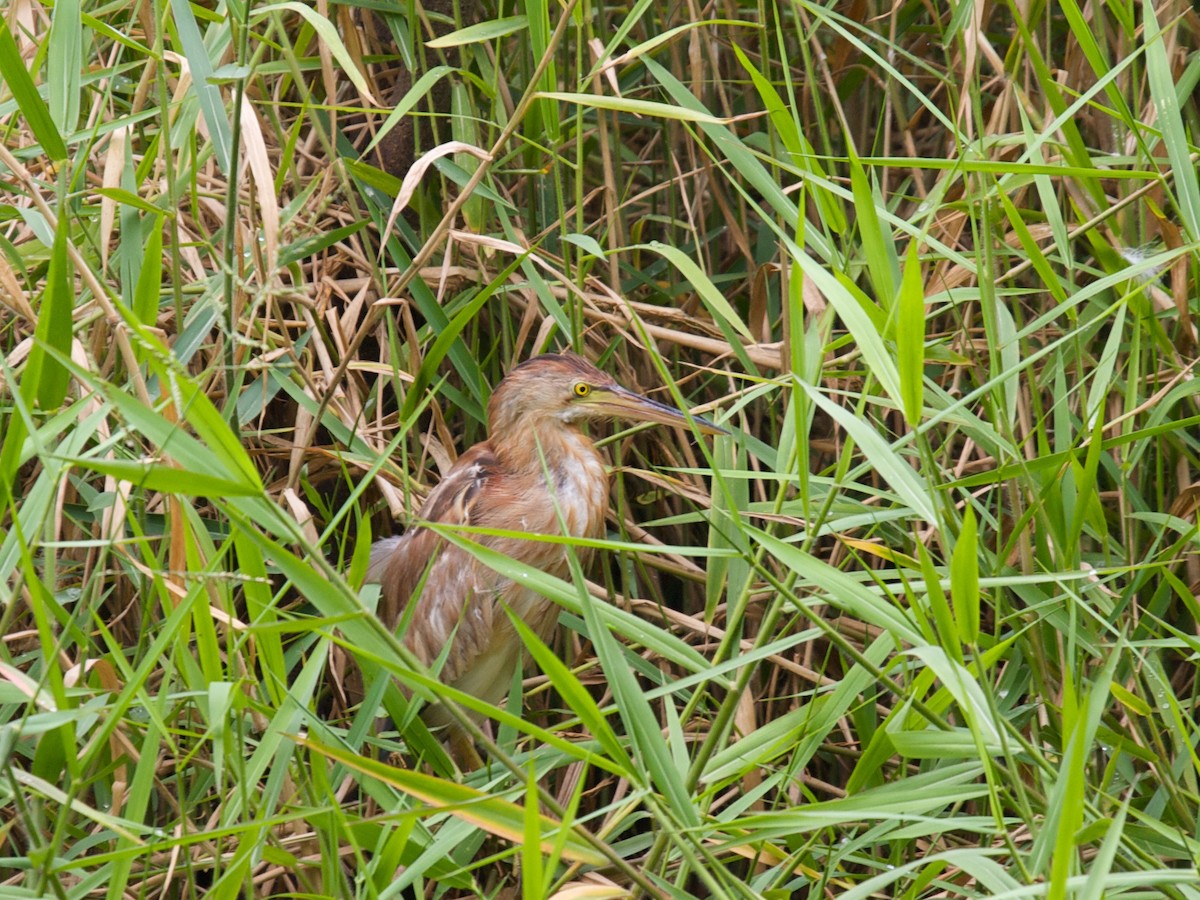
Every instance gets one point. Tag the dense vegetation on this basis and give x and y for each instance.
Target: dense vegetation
(924, 625)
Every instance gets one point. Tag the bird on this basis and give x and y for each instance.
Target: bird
(536, 473)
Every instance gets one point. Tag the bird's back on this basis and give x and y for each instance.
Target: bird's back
(459, 601)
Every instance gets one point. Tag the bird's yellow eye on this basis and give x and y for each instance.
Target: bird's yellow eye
(582, 389)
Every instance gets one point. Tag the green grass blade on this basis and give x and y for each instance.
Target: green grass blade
(964, 579)
(205, 89)
(910, 338)
(1170, 120)
(64, 60)
(496, 816)
(16, 77)
(45, 377)
(578, 700)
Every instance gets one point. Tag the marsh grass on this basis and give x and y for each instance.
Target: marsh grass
(923, 625)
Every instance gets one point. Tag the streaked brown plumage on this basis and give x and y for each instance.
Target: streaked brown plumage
(535, 466)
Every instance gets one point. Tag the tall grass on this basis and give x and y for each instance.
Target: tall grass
(924, 624)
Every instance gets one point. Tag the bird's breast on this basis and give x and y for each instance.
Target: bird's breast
(580, 490)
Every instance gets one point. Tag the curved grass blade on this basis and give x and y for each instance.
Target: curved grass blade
(492, 814)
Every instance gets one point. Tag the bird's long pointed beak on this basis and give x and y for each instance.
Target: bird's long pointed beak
(618, 401)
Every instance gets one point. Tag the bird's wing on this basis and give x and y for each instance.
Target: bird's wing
(454, 593)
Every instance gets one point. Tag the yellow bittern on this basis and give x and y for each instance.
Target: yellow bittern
(536, 473)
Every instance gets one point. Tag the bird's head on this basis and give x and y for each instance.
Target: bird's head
(568, 388)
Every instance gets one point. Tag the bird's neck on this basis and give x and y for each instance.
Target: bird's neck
(547, 445)
(566, 464)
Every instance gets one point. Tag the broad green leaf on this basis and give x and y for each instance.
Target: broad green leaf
(531, 845)
(327, 33)
(314, 244)
(908, 484)
(799, 149)
(45, 377)
(64, 60)
(910, 337)
(586, 243)
(410, 99)
(1130, 700)
(712, 298)
(168, 479)
(447, 336)
(918, 795)
(650, 108)
(193, 406)
(993, 878)
(1170, 120)
(641, 724)
(17, 79)
(208, 95)
(879, 247)
(964, 580)
(148, 292)
(1067, 792)
(94, 24)
(129, 198)
(966, 690)
(665, 37)
(575, 695)
(464, 128)
(949, 637)
(760, 747)
(932, 743)
(544, 122)
(839, 589)
(1069, 797)
(137, 833)
(480, 32)
(1100, 382)
(223, 462)
(492, 814)
(1100, 865)
(1032, 251)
